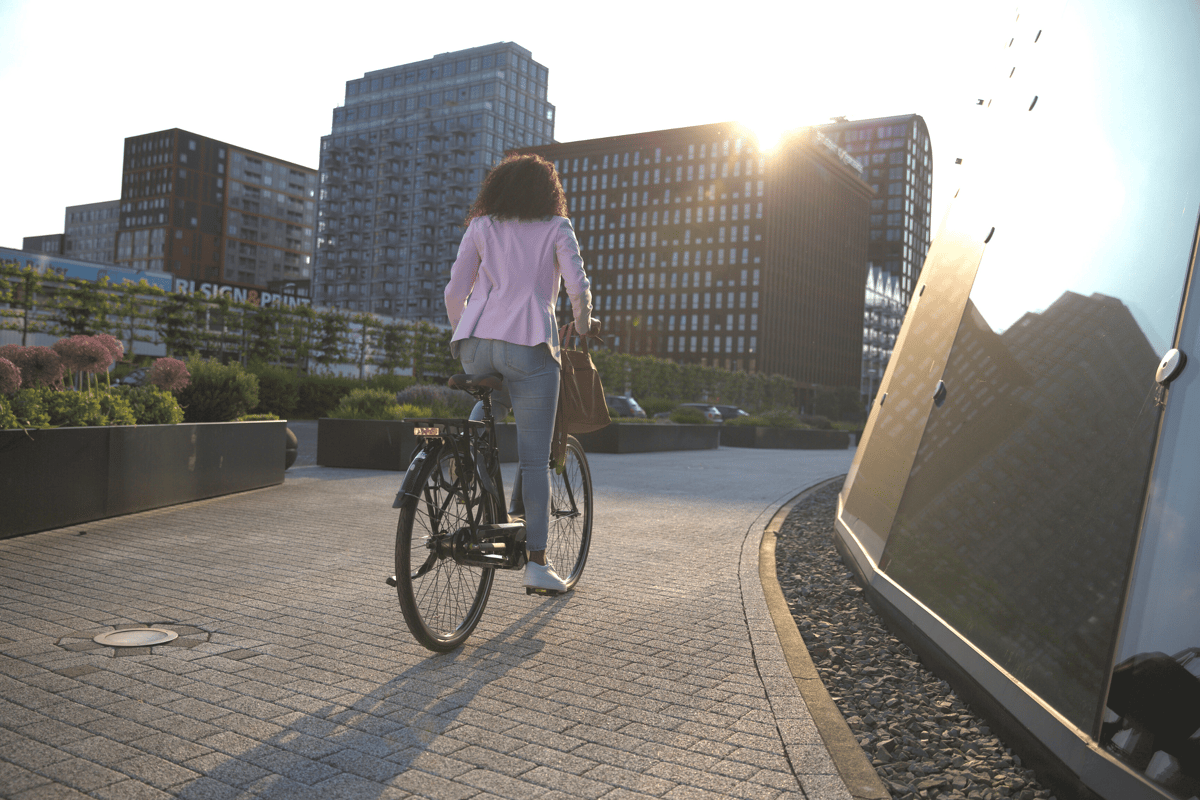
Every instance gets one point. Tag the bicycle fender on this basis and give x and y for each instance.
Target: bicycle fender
(485, 480)
(410, 479)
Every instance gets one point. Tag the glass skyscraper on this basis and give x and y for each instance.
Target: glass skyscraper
(401, 167)
(897, 160)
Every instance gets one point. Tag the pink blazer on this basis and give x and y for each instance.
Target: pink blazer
(504, 282)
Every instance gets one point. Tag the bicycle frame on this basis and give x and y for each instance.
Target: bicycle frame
(469, 448)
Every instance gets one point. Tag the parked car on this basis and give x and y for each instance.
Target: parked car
(619, 406)
(709, 411)
(135, 378)
(731, 412)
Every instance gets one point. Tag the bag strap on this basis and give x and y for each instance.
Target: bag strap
(567, 332)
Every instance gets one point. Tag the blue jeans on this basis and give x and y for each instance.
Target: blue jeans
(531, 377)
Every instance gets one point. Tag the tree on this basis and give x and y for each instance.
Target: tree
(81, 308)
(262, 324)
(331, 338)
(175, 323)
(394, 340)
(19, 289)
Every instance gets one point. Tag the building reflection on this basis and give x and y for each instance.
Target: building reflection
(1019, 518)
(1153, 718)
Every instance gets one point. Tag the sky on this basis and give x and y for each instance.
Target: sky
(79, 77)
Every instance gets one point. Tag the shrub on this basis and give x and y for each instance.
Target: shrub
(8, 419)
(74, 409)
(278, 390)
(367, 404)
(258, 418)
(378, 404)
(319, 395)
(116, 409)
(217, 392)
(29, 408)
(442, 400)
(151, 405)
(816, 421)
(391, 383)
(656, 405)
(689, 416)
(778, 418)
(10, 377)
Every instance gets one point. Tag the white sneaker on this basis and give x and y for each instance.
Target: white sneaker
(543, 577)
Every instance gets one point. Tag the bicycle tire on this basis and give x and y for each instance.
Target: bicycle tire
(443, 604)
(570, 533)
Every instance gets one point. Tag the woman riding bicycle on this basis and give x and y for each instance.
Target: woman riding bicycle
(500, 299)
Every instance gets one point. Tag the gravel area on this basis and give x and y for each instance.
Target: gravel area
(922, 739)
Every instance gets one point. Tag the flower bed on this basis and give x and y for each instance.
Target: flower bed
(383, 444)
(783, 438)
(64, 476)
(620, 438)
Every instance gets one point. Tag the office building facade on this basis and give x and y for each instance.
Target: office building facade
(91, 231)
(704, 249)
(402, 165)
(204, 210)
(883, 311)
(51, 243)
(897, 158)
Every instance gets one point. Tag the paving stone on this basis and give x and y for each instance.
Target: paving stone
(310, 685)
(14, 778)
(80, 774)
(50, 791)
(155, 771)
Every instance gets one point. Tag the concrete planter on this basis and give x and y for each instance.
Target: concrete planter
(383, 444)
(647, 438)
(55, 477)
(783, 438)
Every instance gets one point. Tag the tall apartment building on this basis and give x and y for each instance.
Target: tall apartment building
(403, 163)
(897, 159)
(703, 249)
(91, 231)
(202, 209)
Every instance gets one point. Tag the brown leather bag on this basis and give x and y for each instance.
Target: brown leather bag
(581, 404)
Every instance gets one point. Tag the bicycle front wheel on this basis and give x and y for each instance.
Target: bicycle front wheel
(570, 533)
(442, 600)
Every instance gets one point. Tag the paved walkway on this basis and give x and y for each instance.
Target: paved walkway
(295, 677)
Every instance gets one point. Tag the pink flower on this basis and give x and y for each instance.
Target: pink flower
(39, 366)
(11, 351)
(10, 377)
(84, 354)
(169, 373)
(112, 344)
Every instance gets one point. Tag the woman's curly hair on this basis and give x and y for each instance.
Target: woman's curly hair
(520, 187)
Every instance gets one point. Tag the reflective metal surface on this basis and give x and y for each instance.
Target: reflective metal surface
(1153, 709)
(1012, 509)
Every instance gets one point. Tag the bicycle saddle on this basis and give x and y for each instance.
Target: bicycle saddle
(475, 383)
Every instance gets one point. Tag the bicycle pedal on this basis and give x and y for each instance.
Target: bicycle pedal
(391, 581)
(542, 592)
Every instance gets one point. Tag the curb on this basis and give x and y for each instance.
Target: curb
(851, 762)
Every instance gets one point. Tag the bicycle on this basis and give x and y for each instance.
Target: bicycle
(454, 531)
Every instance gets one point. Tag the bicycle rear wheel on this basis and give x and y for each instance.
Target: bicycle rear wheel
(570, 533)
(442, 600)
